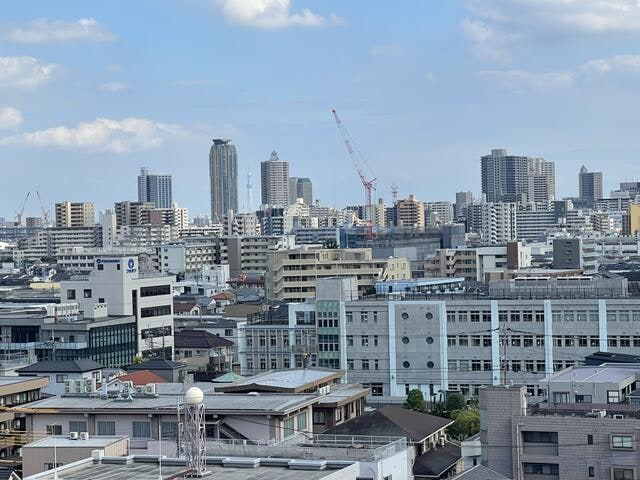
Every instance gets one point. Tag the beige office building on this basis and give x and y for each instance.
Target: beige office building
(292, 275)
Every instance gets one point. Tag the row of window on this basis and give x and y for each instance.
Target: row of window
(365, 364)
(472, 389)
(108, 428)
(365, 341)
(485, 340)
(155, 311)
(364, 317)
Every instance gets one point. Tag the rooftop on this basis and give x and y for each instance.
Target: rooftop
(593, 374)
(289, 380)
(248, 404)
(78, 365)
(189, 338)
(13, 380)
(141, 377)
(66, 442)
(227, 468)
(479, 472)
(393, 421)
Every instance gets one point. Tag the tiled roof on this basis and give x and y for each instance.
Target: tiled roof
(143, 377)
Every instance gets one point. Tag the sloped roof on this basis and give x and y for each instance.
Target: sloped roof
(143, 377)
(199, 339)
(180, 307)
(437, 461)
(78, 365)
(393, 421)
(479, 472)
(228, 377)
(224, 296)
(156, 364)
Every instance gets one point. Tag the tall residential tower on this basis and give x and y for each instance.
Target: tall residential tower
(590, 186)
(223, 173)
(274, 177)
(156, 189)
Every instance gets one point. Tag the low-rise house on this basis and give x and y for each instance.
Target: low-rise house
(433, 457)
(186, 308)
(201, 350)
(59, 372)
(171, 371)
(338, 402)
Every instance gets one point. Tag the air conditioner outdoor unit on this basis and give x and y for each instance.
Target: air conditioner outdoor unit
(73, 435)
(84, 435)
(151, 389)
(140, 390)
(79, 383)
(67, 389)
(69, 383)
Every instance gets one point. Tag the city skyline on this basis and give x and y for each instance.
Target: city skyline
(439, 82)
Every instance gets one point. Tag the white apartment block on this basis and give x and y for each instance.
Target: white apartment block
(116, 282)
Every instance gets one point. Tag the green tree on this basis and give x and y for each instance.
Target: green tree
(455, 401)
(466, 423)
(331, 243)
(415, 401)
(439, 409)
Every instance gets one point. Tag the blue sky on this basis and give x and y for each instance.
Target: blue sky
(91, 91)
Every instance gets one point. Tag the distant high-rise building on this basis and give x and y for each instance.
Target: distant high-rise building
(589, 186)
(504, 177)
(542, 181)
(155, 188)
(75, 214)
(438, 213)
(410, 212)
(223, 173)
(510, 178)
(300, 188)
(462, 200)
(274, 176)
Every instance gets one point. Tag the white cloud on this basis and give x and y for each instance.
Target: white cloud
(271, 14)
(24, 72)
(580, 15)
(524, 80)
(10, 117)
(102, 134)
(114, 87)
(44, 31)
(489, 42)
(615, 64)
(493, 25)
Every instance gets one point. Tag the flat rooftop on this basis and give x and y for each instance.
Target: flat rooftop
(14, 380)
(291, 378)
(600, 373)
(227, 468)
(66, 442)
(220, 402)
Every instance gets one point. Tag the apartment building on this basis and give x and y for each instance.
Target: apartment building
(292, 274)
(585, 427)
(51, 241)
(575, 253)
(75, 214)
(117, 286)
(410, 212)
(438, 213)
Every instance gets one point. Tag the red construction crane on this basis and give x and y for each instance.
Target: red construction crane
(19, 213)
(358, 160)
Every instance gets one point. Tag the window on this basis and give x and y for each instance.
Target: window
(169, 430)
(155, 290)
(583, 399)
(623, 474)
(463, 341)
(592, 472)
(622, 442)
(405, 364)
(87, 293)
(141, 429)
(54, 429)
(451, 340)
(365, 341)
(228, 332)
(155, 311)
(376, 364)
(613, 396)
(50, 466)
(71, 294)
(350, 364)
(301, 420)
(375, 340)
(376, 389)
(101, 300)
(100, 266)
(589, 439)
(364, 317)
(349, 340)
(560, 397)
(540, 437)
(365, 364)
(463, 365)
(405, 315)
(288, 428)
(349, 317)
(319, 417)
(107, 428)
(542, 468)
(78, 426)
(61, 377)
